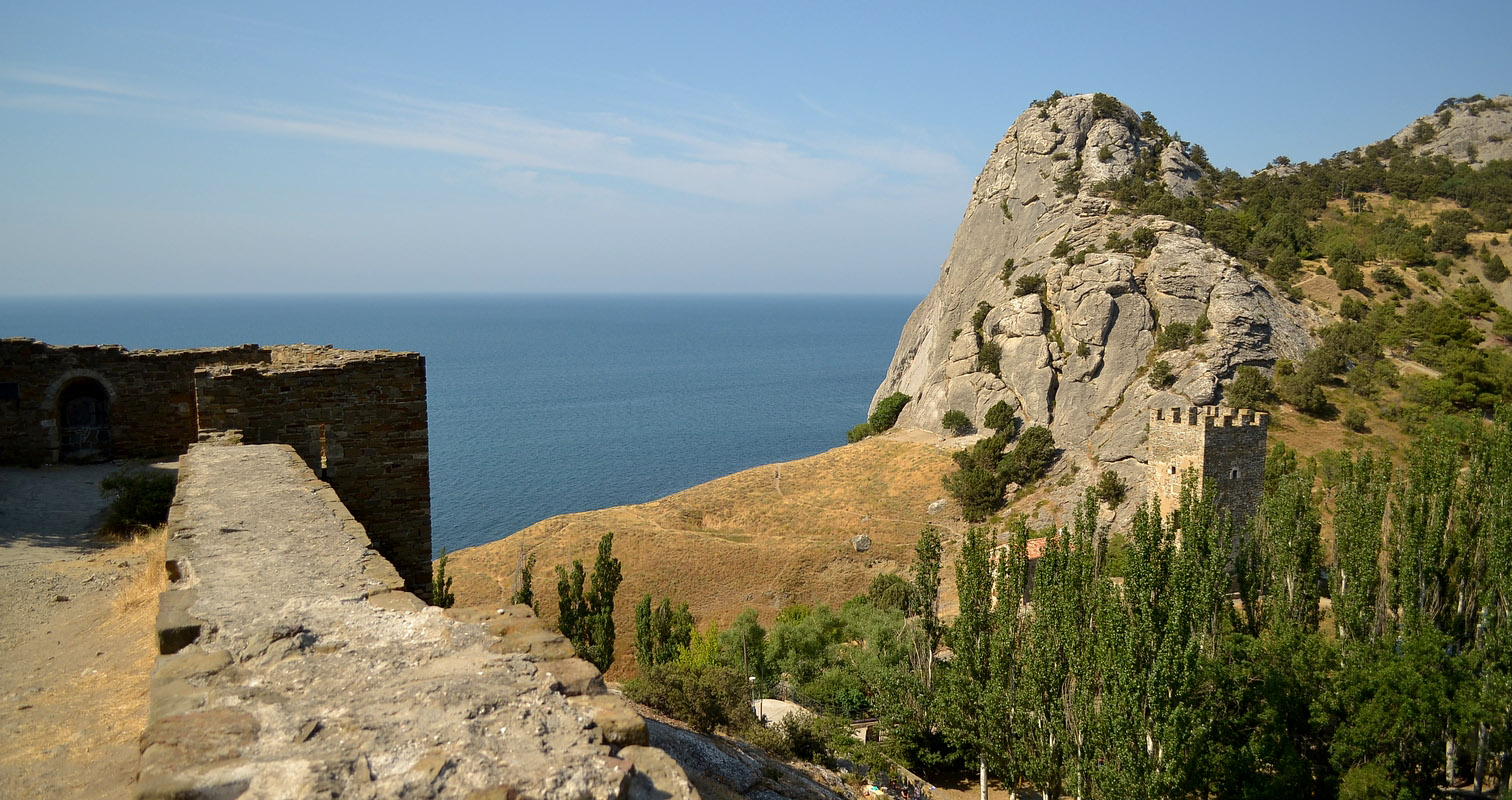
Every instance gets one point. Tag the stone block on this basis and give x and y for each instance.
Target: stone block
(574, 677)
(615, 718)
(536, 643)
(657, 776)
(176, 628)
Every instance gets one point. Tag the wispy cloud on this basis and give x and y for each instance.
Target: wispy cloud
(738, 158)
(90, 85)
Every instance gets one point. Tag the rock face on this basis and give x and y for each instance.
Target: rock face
(1476, 131)
(1074, 355)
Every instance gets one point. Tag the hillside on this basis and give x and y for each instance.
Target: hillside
(764, 538)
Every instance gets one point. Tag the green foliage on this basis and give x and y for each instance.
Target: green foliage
(525, 594)
(990, 357)
(1104, 154)
(859, 432)
(890, 591)
(1250, 388)
(1143, 240)
(139, 499)
(1161, 375)
(1354, 419)
(1000, 418)
(978, 317)
(707, 697)
(1496, 269)
(744, 646)
(886, 414)
(1348, 275)
(1352, 309)
(1106, 107)
(1177, 336)
(587, 618)
(1029, 284)
(956, 422)
(1111, 488)
(441, 583)
(1006, 276)
(1061, 249)
(1030, 458)
(661, 633)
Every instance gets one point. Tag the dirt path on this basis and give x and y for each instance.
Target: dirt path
(77, 637)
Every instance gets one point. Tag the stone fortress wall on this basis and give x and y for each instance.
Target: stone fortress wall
(1226, 446)
(293, 664)
(356, 417)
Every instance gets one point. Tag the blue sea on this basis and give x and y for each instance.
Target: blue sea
(543, 405)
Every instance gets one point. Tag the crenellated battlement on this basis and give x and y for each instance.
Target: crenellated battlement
(1209, 417)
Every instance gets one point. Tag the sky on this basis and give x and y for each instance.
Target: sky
(204, 148)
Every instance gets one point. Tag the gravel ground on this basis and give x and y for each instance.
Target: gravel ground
(73, 679)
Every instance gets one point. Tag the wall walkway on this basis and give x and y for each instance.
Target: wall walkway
(293, 665)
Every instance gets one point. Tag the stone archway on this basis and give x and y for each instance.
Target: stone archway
(83, 421)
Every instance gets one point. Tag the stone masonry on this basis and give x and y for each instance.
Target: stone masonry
(358, 417)
(294, 665)
(1225, 446)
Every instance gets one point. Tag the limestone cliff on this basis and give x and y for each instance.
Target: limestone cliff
(1074, 356)
(1472, 129)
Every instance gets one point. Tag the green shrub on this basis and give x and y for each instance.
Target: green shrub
(140, 498)
(1061, 156)
(1104, 154)
(1351, 308)
(1388, 277)
(1177, 336)
(886, 414)
(979, 316)
(890, 591)
(956, 421)
(990, 358)
(1144, 240)
(705, 696)
(1496, 269)
(1030, 458)
(859, 432)
(1062, 248)
(441, 583)
(1105, 106)
(979, 491)
(1354, 419)
(1161, 375)
(1348, 275)
(1111, 488)
(1029, 284)
(1250, 388)
(1000, 418)
(1006, 276)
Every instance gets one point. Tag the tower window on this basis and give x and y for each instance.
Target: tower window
(1234, 474)
(1173, 469)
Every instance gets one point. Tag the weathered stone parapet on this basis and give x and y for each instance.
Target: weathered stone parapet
(309, 673)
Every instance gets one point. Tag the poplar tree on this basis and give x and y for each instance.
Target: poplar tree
(587, 620)
(975, 693)
(1355, 580)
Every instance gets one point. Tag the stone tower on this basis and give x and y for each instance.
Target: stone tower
(1226, 446)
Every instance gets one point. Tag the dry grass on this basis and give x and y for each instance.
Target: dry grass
(762, 538)
(79, 735)
(140, 595)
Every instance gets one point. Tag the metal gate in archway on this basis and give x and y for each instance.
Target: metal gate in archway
(84, 421)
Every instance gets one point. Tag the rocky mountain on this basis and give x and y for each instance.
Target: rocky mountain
(1075, 353)
(1474, 129)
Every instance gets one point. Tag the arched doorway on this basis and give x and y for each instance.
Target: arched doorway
(83, 421)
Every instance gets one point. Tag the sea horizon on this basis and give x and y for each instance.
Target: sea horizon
(543, 404)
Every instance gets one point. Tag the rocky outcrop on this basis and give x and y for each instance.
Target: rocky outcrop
(1075, 354)
(1475, 131)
